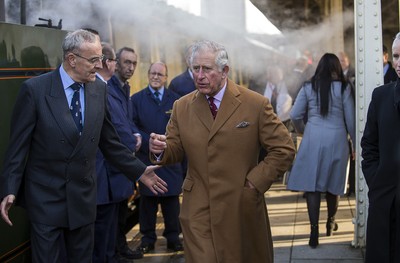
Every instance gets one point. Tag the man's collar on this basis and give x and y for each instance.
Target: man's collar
(220, 93)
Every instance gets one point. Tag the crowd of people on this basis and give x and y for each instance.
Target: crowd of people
(82, 147)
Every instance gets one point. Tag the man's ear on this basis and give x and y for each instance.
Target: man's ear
(71, 60)
(225, 71)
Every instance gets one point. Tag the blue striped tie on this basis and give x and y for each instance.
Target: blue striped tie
(76, 110)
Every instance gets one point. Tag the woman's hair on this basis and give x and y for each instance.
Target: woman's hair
(328, 70)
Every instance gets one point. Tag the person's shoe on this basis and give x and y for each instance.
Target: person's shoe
(121, 259)
(145, 248)
(131, 254)
(313, 242)
(175, 246)
(331, 225)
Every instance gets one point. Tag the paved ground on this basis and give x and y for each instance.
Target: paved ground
(290, 231)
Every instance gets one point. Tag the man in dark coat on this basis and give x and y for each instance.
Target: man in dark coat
(152, 108)
(183, 83)
(50, 161)
(389, 73)
(121, 116)
(112, 185)
(381, 168)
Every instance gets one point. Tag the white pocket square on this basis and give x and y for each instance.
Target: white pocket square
(243, 124)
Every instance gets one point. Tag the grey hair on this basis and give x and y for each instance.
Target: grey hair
(397, 37)
(74, 40)
(188, 54)
(221, 55)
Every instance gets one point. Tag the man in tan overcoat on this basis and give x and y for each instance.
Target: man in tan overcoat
(223, 216)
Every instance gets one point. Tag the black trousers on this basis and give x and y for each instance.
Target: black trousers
(56, 244)
(170, 208)
(105, 233)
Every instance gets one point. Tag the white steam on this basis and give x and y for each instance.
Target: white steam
(154, 28)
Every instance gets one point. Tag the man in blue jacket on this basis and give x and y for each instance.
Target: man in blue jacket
(113, 188)
(183, 83)
(152, 108)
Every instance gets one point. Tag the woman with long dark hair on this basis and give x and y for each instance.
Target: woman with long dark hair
(321, 162)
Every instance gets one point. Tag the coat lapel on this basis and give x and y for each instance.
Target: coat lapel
(202, 110)
(228, 106)
(91, 113)
(60, 110)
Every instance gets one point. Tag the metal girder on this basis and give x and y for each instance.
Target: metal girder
(369, 75)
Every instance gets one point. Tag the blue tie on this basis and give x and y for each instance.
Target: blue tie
(75, 107)
(157, 96)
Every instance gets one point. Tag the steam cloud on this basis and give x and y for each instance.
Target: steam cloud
(124, 22)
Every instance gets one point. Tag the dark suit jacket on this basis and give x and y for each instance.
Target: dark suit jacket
(381, 168)
(151, 117)
(182, 84)
(113, 186)
(55, 164)
(391, 75)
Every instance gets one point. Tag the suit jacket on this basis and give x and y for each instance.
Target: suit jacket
(182, 84)
(50, 163)
(391, 75)
(381, 168)
(151, 117)
(222, 221)
(112, 185)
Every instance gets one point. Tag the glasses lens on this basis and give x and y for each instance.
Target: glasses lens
(96, 59)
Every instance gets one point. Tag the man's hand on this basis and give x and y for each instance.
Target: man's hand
(157, 143)
(152, 181)
(5, 205)
(248, 184)
(138, 142)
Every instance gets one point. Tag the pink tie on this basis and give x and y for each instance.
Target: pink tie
(213, 107)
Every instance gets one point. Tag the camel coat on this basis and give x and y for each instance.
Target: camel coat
(222, 221)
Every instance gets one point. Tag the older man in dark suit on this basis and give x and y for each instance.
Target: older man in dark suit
(381, 167)
(50, 162)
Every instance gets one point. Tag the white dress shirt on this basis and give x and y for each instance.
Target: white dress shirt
(283, 100)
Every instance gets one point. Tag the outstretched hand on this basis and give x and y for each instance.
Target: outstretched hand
(152, 181)
(5, 205)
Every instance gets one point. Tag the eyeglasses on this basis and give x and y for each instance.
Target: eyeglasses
(91, 60)
(153, 74)
(112, 59)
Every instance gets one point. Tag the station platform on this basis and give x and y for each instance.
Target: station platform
(290, 231)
